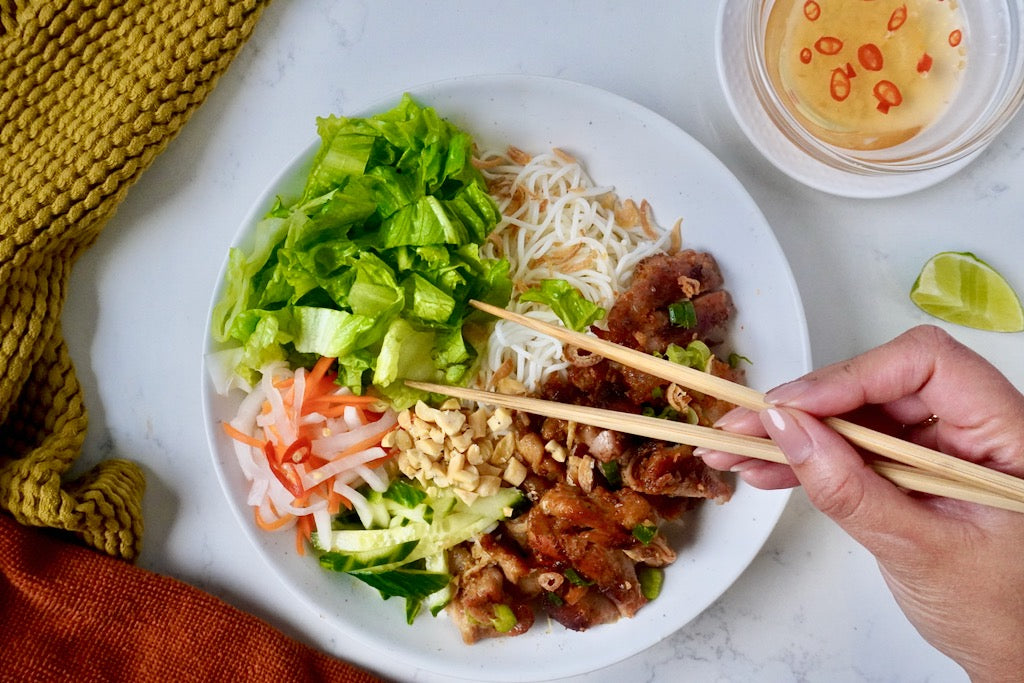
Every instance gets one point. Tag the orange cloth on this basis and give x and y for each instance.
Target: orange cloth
(68, 613)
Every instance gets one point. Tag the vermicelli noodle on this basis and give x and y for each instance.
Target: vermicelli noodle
(556, 223)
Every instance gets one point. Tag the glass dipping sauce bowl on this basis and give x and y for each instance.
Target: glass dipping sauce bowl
(989, 74)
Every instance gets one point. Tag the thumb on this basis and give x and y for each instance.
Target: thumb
(838, 481)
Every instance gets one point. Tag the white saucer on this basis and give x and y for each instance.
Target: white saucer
(786, 156)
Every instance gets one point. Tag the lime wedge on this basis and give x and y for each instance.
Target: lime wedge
(960, 288)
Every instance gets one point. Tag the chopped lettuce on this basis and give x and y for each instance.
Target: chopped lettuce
(375, 263)
(571, 307)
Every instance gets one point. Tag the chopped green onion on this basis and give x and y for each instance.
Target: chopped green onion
(612, 473)
(573, 577)
(651, 579)
(666, 413)
(645, 533)
(696, 355)
(554, 598)
(682, 314)
(504, 619)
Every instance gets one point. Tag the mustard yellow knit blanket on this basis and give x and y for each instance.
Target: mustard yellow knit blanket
(91, 93)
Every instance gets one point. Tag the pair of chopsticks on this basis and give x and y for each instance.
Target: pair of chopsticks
(915, 467)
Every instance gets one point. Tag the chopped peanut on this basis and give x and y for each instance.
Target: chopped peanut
(556, 450)
(430, 447)
(426, 413)
(478, 423)
(515, 472)
(488, 485)
(499, 421)
(451, 421)
(474, 454)
(503, 450)
(454, 447)
(462, 441)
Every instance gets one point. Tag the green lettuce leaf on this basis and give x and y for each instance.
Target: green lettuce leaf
(376, 261)
(328, 332)
(575, 311)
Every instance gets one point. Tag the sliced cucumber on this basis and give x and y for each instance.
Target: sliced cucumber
(458, 523)
(438, 600)
(353, 562)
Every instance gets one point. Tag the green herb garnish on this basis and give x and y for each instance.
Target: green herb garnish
(573, 577)
(682, 313)
(651, 580)
(612, 472)
(645, 533)
(575, 311)
(504, 619)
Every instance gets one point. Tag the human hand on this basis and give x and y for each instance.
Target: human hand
(954, 567)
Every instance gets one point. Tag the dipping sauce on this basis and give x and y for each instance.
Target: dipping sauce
(865, 74)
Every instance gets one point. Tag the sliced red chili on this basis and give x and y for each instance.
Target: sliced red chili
(289, 478)
(955, 37)
(805, 55)
(298, 450)
(285, 471)
(924, 65)
(812, 10)
(870, 57)
(828, 45)
(897, 18)
(839, 85)
(888, 96)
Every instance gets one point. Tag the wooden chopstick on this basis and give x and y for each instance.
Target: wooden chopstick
(695, 435)
(639, 425)
(911, 454)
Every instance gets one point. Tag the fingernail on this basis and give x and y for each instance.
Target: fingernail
(701, 451)
(745, 465)
(788, 435)
(787, 393)
(776, 417)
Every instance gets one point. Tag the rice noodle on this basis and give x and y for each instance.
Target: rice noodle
(556, 223)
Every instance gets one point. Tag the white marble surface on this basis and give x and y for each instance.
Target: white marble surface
(811, 607)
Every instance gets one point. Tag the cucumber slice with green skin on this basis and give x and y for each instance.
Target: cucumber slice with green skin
(438, 600)
(381, 550)
(353, 562)
(360, 540)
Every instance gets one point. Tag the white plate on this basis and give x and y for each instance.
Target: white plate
(779, 150)
(644, 155)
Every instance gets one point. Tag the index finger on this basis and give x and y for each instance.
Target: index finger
(921, 373)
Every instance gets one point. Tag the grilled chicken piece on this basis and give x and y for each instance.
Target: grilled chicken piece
(481, 586)
(592, 609)
(671, 470)
(590, 535)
